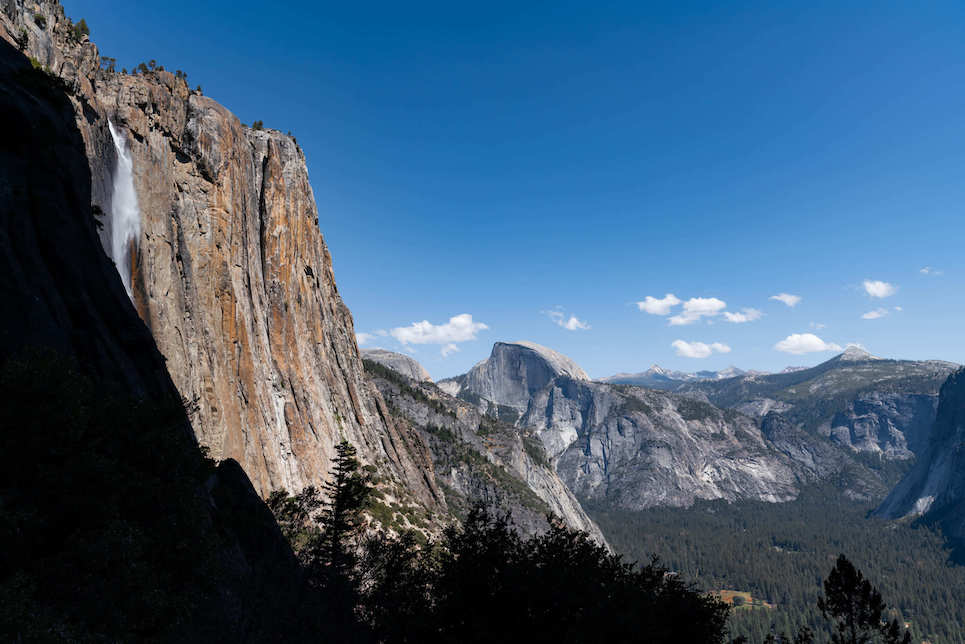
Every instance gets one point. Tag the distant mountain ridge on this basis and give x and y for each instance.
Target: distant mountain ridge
(861, 401)
(704, 436)
(659, 378)
(476, 457)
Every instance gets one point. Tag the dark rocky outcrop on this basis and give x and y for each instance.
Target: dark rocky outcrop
(230, 272)
(78, 363)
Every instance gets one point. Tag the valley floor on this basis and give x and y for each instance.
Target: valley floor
(780, 553)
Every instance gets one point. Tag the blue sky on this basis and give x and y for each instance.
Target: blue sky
(510, 162)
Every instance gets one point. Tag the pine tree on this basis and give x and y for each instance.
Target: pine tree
(857, 608)
(81, 30)
(341, 520)
(331, 557)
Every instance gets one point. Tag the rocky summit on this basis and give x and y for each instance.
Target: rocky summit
(512, 373)
(398, 362)
(635, 448)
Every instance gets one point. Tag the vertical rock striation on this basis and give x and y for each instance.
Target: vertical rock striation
(230, 272)
(62, 294)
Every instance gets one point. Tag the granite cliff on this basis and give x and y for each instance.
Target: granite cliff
(229, 270)
(477, 457)
(102, 482)
(635, 448)
(862, 403)
(510, 376)
(935, 488)
(403, 364)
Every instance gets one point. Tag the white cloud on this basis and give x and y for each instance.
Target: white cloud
(698, 349)
(877, 288)
(365, 338)
(746, 315)
(928, 270)
(874, 315)
(696, 308)
(787, 298)
(653, 306)
(449, 348)
(798, 343)
(571, 323)
(817, 325)
(459, 328)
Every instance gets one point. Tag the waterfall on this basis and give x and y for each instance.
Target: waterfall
(125, 215)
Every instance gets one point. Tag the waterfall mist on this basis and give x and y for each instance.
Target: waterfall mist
(125, 214)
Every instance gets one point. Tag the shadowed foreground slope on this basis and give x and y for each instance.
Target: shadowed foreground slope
(113, 525)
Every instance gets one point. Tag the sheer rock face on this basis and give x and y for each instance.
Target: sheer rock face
(636, 448)
(895, 425)
(62, 292)
(625, 446)
(231, 273)
(935, 487)
(861, 402)
(514, 372)
(478, 458)
(398, 362)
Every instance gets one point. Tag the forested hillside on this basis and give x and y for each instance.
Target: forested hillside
(780, 553)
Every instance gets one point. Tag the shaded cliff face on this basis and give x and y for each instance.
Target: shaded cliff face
(893, 424)
(935, 487)
(230, 273)
(59, 289)
(114, 526)
(478, 458)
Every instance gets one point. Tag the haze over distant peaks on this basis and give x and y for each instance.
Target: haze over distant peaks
(657, 375)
